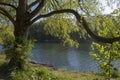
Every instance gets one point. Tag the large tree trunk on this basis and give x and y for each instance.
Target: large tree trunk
(18, 59)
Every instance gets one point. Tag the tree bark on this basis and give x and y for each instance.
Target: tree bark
(20, 33)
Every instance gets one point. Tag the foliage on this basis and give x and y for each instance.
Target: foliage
(20, 53)
(61, 27)
(6, 34)
(60, 4)
(39, 72)
(2, 59)
(33, 73)
(23, 50)
(106, 53)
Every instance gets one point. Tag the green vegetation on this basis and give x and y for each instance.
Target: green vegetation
(6, 34)
(107, 53)
(40, 72)
(49, 28)
(62, 31)
(2, 59)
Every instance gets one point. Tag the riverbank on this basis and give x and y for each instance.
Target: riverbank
(42, 72)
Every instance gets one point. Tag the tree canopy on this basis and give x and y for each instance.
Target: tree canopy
(33, 10)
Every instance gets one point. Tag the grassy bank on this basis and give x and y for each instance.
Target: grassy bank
(40, 72)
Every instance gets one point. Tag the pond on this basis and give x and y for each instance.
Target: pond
(63, 57)
(70, 58)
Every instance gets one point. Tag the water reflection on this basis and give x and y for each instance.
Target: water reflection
(52, 54)
(66, 57)
(81, 60)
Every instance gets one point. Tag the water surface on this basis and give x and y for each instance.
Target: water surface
(63, 57)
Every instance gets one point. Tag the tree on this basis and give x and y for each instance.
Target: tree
(106, 53)
(26, 13)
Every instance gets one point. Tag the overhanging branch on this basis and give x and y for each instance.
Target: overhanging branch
(84, 24)
(57, 12)
(33, 4)
(36, 11)
(6, 14)
(96, 37)
(6, 4)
